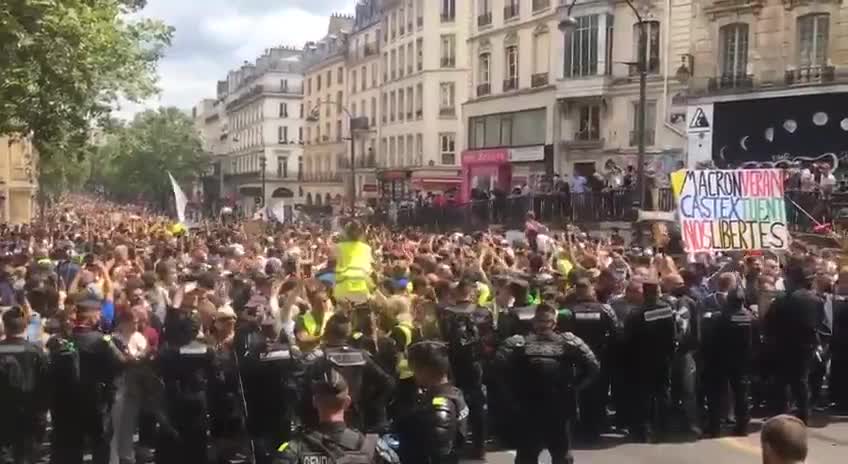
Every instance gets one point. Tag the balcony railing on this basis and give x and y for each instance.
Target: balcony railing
(447, 111)
(649, 138)
(731, 81)
(448, 62)
(539, 5)
(368, 161)
(322, 177)
(539, 80)
(588, 135)
(447, 18)
(810, 75)
(511, 11)
(484, 89)
(510, 84)
(484, 19)
(419, 114)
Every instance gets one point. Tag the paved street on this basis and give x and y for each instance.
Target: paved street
(828, 445)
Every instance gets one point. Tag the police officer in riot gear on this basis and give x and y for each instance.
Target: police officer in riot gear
(368, 382)
(434, 431)
(838, 387)
(650, 333)
(542, 373)
(187, 367)
(727, 357)
(683, 372)
(83, 365)
(269, 368)
(331, 441)
(595, 323)
(459, 329)
(23, 381)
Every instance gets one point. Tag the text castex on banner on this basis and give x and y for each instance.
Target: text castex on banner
(723, 210)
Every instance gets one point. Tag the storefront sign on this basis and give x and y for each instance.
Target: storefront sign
(731, 209)
(525, 154)
(485, 156)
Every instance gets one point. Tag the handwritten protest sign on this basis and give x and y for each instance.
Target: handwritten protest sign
(724, 210)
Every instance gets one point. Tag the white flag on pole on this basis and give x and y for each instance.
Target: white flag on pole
(180, 198)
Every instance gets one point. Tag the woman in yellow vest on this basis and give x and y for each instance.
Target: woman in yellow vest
(353, 266)
(309, 326)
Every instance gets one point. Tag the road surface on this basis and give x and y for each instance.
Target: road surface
(828, 445)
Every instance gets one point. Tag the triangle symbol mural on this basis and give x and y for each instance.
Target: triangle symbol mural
(699, 120)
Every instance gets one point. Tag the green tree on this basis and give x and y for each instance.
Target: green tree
(136, 159)
(65, 63)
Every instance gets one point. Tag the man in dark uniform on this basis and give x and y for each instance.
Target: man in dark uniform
(84, 391)
(838, 387)
(186, 366)
(790, 327)
(434, 430)
(269, 369)
(541, 385)
(650, 336)
(369, 384)
(460, 331)
(727, 356)
(595, 323)
(332, 441)
(23, 381)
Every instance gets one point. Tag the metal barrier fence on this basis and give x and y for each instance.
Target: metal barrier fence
(559, 209)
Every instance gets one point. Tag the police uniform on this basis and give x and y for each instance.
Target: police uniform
(186, 370)
(435, 429)
(403, 335)
(23, 380)
(540, 387)
(368, 383)
(595, 323)
(727, 360)
(84, 367)
(838, 387)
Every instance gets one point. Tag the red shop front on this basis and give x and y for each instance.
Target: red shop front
(485, 169)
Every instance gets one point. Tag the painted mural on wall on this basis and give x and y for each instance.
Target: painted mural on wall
(779, 131)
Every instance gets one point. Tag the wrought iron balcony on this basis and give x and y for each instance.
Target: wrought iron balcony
(484, 89)
(510, 84)
(810, 75)
(539, 80)
(448, 62)
(511, 11)
(539, 5)
(484, 19)
(447, 111)
(649, 138)
(731, 81)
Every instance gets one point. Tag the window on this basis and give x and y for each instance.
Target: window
(353, 110)
(385, 66)
(484, 13)
(446, 99)
(734, 51)
(419, 44)
(392, 159)
(300, 172)
(448, 10)
(813, 32)
(448, 51)
(383, 151)
(339, 130)
(419, 101)
(339, 101)
(373, 111)
(364, 72)
(610, 39)
(652, 51)
(300, 134)
(329, 77)
(511, 9)
(650, 123)
(541, 51)
(401, 61)
(301, 109)
(284, 110)
(318, 133)
(401, 151)
(506, 131)
(392, 106)
(373, 74)
(393, 24)
(308, 134)
(383, 107)
(419, 150)
(393, 64)
(283, 134)
(409, 103)
(581, 48)
(485, 68)
(353, 81)
(282, 167)
(589, 125)
(340, 74)
(284, 85)
(511, 78)
(318, 82)
(410, 53)
(385, 29)
(400, 104)
(401, 21)
(447, 148)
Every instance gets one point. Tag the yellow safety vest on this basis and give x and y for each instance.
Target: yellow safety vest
(313, 329)
(353, 270)
(403, 370)
(483, 294)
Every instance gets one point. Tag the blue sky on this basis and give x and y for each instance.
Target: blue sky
(214, 36)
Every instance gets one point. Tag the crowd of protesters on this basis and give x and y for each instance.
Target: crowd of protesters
(118, 322)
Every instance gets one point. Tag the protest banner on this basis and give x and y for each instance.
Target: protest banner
(724, 210)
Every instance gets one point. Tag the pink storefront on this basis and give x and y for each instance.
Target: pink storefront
(487, 169)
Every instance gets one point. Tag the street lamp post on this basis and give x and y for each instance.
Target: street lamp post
(568, 23)
(354, 124)
(263, 163)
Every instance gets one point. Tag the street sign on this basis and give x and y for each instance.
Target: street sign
(699, 131)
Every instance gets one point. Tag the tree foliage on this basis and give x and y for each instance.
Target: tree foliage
(65, 63)
(134, 160)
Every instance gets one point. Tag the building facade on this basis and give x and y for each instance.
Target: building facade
(326, 127)
(18, 185)
(769, 82)
(255, 130)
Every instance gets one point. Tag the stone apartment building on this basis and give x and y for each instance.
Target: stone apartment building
(18, 184)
